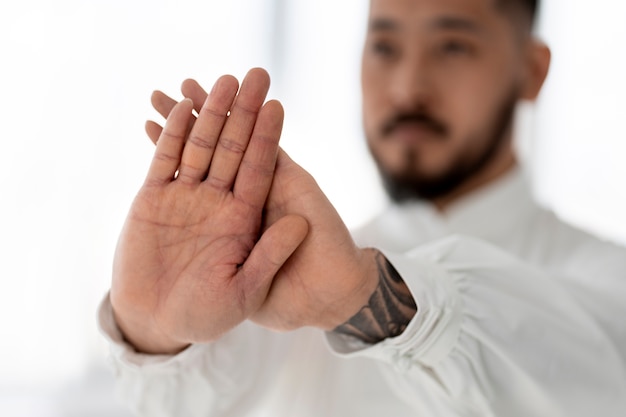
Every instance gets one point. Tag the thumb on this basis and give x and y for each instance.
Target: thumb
(276, 245)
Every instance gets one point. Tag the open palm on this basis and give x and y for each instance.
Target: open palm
(191, 262)
(328, 279)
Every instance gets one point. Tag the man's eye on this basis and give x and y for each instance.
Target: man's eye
(383, 49)
(455, 48)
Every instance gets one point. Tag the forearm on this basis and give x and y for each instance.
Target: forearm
(387, 312)
(489, 323)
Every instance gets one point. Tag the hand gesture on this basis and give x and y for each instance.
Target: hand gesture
(191, 262)
(328, 279)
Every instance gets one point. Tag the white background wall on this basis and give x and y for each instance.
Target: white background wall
(75, 81)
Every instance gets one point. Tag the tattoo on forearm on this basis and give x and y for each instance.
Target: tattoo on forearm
(389, 309)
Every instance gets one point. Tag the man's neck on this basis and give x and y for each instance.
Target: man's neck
(491, 173)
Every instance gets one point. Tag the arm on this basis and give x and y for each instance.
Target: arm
(388, 311)
(486, 333)
(193, 262)
(495, 336)
(229, 376)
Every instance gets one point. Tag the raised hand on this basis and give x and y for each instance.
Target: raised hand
(191, 262)
(328, 279)
(328, 282)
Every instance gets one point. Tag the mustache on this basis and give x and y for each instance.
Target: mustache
(420, 118)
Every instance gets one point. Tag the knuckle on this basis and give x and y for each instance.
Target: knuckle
(217, 182)
(265, 139)
(167, 134)
(199, 141)
(151, 183)
(188, 174)
(258, 170)
(212, 112)
(165, 157)
(232, 145)
(248, 110)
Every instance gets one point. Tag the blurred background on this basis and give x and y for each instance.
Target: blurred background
(76, 78)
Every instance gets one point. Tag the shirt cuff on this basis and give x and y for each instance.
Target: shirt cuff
(434, 330)
(122, 352)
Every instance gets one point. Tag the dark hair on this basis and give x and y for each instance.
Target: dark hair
(531, 6)
(528, 8)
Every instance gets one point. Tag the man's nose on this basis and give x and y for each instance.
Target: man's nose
(412, 83)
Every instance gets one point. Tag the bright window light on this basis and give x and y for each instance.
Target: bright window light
(76, 83)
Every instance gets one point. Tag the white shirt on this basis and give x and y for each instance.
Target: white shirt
(518, 314)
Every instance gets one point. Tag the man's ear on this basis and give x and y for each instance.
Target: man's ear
(538, 64)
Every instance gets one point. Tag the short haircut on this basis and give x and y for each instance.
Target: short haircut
(524, 11)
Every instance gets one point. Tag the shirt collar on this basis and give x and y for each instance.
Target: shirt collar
(488, 213)
(494, 209)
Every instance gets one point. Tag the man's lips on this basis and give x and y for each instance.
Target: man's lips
(415, 126)
(415, 133)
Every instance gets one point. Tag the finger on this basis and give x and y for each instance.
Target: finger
(270, 253)
(256, 171)
(164, 104)
(235, 136)
(191, 89)
(203, 137)
(153, 130)
(170, 144)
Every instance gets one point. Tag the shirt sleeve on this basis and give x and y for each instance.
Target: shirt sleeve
(221, 378)
(494, 336)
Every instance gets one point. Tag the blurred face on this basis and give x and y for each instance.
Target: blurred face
(440, 80)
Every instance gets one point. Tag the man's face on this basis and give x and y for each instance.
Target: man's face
(440, 81)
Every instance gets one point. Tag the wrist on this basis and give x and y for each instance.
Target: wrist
(364, 273)
(388, 310)
(146, 340)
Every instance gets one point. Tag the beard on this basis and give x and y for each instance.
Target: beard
(408, 184)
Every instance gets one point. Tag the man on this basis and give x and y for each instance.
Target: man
(463, 298)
